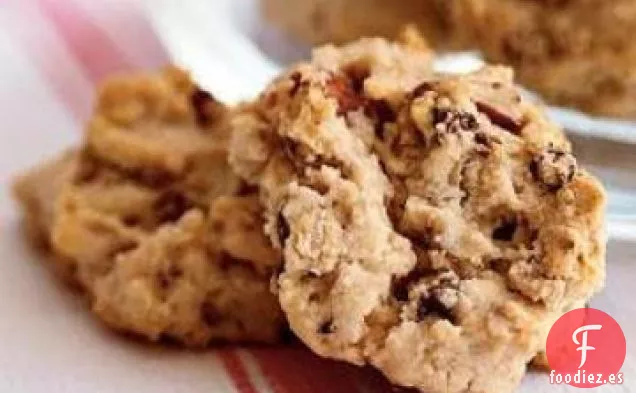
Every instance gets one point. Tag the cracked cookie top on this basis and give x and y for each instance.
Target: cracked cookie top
(431, 225)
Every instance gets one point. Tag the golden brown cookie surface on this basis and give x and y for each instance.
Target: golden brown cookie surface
(433, 226)
(151, 222)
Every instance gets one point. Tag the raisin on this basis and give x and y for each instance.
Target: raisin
(400, 286)
(506, 230)
(381, 113)
(432, 306)
(171, 206)
(247, 189)
(553, 168)
(282, 229)
(400, 289)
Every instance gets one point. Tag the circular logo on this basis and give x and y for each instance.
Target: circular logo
(586, 348)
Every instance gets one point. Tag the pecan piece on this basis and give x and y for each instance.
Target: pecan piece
(342, 89)
(500, 117)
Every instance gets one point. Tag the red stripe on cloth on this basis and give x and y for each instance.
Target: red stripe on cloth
(236, 370)
(131, 29)
(297, 370)
(99, 55)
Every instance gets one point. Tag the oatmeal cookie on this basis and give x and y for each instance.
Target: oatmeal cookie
(150, 221)
(340, 21)
(577, 53)
(434, 226)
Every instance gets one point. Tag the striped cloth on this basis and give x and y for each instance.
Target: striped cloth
(52, 54)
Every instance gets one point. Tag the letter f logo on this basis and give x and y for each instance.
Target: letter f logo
(583, 344)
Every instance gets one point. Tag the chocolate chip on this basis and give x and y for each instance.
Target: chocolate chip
(282, 229)
(432, 306)
(171, 206)
(506, 230)
(210, 314)
(206, 107)
(326, 327)
(499, 117)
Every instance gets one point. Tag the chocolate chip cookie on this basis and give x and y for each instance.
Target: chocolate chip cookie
(148, 219)
(431, 225)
